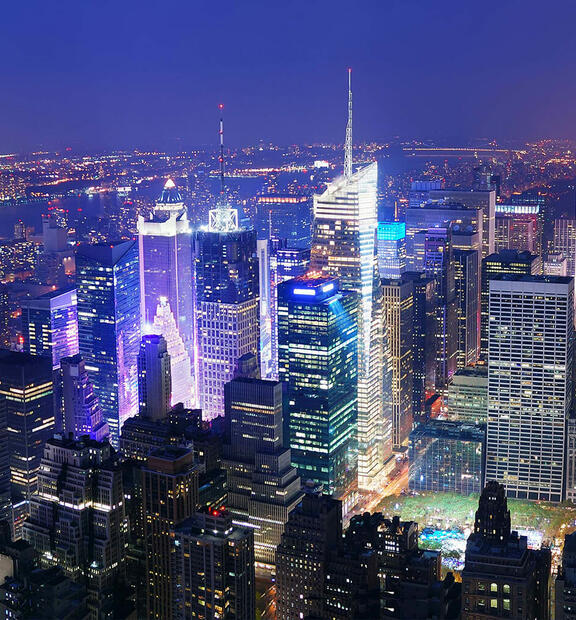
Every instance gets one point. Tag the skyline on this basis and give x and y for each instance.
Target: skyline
(135, 77)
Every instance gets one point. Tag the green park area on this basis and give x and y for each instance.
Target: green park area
(447, 511)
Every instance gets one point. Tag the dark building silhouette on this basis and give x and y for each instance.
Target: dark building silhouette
(501, 576)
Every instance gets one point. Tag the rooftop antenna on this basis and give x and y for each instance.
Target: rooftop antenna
(223, 218)
(348, 144)
(221, 159)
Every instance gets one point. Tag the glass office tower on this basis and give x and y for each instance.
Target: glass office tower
(50, 325)
(164, 243)
(26, 390)
(317, 342)
(107, 281)
(391, 240)
(227, 309)
(344, 247)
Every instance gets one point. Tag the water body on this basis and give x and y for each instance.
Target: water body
(31, 212)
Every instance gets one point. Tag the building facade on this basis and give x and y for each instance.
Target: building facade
(107, 280)
(531, 333)
(317, 341)
(447, 456)
(344, 247)
(50, 325)
(398, 316)
(227, 310)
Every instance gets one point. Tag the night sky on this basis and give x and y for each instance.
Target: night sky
(95, 74)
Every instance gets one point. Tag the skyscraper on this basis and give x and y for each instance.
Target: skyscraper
(439, 263)
(344, 247)
(423, 340)
(467, 290)
(50, 325)
(83, 414)
(287, 217)
(516, 230)
(501, 576)
(565, 242)
(267, 361)
(107, 280)
(463, 220)
(182, 379)
(263, 486)
(164, 242)
(214, 568)
(484, 199)
(77, 517)
(154, 377)
(398, 315)
(227, 309)
(505, 261)
(313, 529)
(317, 342)
(285, 263)
(391, 241)
(468, 395)
(169, 495)
(27, 389)
(531, 333)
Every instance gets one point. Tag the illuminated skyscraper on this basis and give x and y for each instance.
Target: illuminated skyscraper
(27, 392)
(398, 316)
(391, 238)
(154, 377)
(530, 384)
(565, 242)
(344, 247)
(465, 222)
(214, 568)
(82, 412)
(109, 326)
(169, 496)
(50, 325)
(164, 243)
(439, 263)
(268, 363)
(467, 290)
(317, 342)
(78, 517)
(227, 309)
(286, 217)
(263, 486)
(182, 380)
(505, 261)
(484, 199)
(423, 340)
(285, 263)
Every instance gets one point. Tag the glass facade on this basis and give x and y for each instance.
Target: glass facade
(344, 247)
(108, 286)
(227, 310)
(27, 389)
(391, 240)
(447, 456)
(50, 325)
(165, 252)
(317, 341)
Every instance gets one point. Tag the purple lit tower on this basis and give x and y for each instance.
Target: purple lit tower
(82, 411)
(164, 245)
(107, 281)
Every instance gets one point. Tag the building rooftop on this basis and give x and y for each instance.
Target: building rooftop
(518, 277)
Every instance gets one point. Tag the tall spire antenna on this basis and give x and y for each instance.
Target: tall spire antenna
(348, 144)
(221, 158)
(223, 218)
